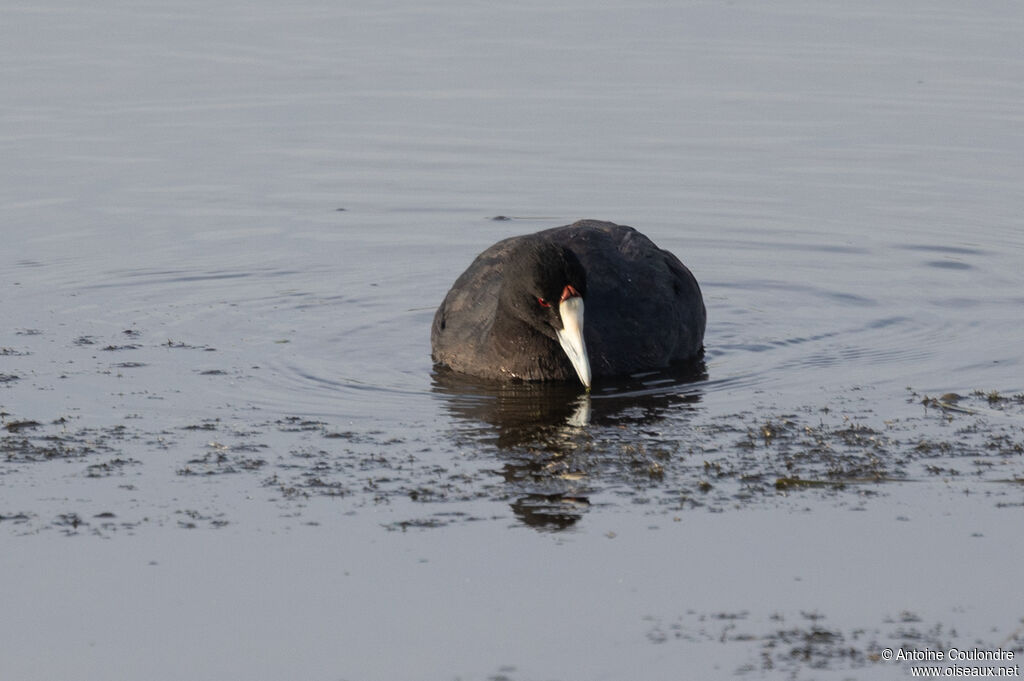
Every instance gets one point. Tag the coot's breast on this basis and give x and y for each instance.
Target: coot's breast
(643, 307)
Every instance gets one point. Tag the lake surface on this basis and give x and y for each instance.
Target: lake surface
(225, 229)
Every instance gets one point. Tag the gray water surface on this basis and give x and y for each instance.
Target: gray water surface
(225, 230)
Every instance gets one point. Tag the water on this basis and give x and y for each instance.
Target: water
(225, 231)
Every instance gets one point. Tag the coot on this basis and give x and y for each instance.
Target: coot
(517, 312)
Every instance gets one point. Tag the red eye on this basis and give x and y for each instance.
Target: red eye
(543, 303)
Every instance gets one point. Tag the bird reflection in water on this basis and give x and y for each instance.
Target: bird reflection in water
(553, 439)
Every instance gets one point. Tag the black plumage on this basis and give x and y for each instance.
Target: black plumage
(643, 307)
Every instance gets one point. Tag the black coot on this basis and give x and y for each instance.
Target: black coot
(518, 311)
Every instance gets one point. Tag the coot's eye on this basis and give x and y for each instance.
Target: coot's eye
(543, 303)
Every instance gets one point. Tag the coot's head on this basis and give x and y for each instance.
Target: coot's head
(544, 285)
